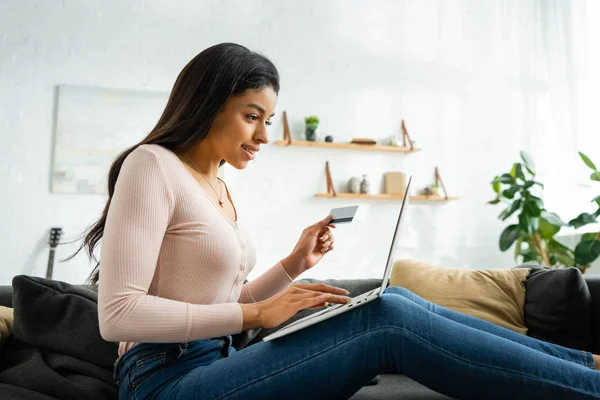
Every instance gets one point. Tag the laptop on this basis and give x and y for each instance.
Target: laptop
(358, 301)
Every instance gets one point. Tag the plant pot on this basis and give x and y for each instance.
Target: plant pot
(311, 132)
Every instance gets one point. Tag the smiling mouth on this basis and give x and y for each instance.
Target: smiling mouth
(249, 151)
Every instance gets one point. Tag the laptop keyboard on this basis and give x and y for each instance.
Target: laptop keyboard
(330, 308)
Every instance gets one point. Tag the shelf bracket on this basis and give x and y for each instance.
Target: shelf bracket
(438, 181)
(330, 188)
(405, 137)
(286, 129)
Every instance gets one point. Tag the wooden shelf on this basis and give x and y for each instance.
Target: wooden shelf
(383, 196)
(347, 146)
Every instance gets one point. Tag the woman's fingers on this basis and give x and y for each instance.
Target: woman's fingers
(321, 287)
(322, 299)
(319, 306)
(327, 232)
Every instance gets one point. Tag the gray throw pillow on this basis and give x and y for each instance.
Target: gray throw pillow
(59, 317)
(558, 306)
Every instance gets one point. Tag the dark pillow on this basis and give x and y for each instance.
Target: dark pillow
(558, 307)
(59, 317)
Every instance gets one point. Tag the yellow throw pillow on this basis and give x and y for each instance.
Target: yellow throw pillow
(6, 322)
(496, 296)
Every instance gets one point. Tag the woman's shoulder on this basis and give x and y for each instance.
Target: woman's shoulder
(151, 154)
(154, 149)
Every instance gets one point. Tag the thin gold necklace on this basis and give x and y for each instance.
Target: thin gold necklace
(220, 197)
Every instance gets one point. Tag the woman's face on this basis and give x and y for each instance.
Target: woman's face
(241, 126)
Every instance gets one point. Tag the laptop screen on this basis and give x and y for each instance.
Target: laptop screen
(390, 260)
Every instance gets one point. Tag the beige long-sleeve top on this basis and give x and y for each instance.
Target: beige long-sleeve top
(172, 264)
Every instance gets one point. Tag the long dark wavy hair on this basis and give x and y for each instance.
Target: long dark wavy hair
(199, 93)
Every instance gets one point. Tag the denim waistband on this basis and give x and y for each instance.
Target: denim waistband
(172, 349)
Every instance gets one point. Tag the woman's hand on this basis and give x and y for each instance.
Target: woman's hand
(315, 241)
(279, 308)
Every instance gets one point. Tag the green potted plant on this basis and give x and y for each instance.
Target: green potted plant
(533, 233)
(588, 248)
(311, 122)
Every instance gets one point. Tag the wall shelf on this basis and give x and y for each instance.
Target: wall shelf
(383, 196)
(407, 147)
(347, 146)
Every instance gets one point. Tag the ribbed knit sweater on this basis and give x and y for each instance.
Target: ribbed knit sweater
(172, 264)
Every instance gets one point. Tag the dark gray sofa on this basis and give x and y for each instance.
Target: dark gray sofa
(391, 386)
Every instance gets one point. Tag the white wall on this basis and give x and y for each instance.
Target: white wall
(466, 81)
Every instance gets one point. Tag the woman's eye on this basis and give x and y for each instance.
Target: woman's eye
(253, 117)
(268, 122)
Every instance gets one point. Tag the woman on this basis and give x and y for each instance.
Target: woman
(174, 259)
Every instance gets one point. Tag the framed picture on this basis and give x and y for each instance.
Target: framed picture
(92, 126)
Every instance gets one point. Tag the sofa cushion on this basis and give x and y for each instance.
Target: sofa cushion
(558, 307)
(496, 296)
(61, 318)
(6, 296)
(593, 284)
(397, 386)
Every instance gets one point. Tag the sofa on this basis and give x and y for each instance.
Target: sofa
(37, 364)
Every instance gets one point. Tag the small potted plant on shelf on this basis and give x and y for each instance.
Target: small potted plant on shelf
(435, 189)
(312, 122)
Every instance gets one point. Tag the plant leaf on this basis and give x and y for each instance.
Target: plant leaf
(529, 164)
(582, 219)
(528, 184)
(597, 200)
(587, 161)
(528, 224)
(530, 255)
(504, 178)
(547, 230)
(531, 208)
(495, 201)
(555, 244)
(595, 176)
(508, 236)
(517, 172)
(587, 251)
(564, 254)
(511, 191)
(518, 244)
(514, 207)
(588, 236)
(496, 187)
(538, 201)
(552, 218)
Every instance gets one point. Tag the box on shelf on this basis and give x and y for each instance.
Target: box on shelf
(395, 183)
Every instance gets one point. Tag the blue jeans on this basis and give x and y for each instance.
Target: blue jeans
(451, 353)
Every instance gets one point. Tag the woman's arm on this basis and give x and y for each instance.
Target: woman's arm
(271, 282)
(137, 220)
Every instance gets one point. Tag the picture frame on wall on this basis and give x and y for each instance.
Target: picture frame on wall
(92, 125)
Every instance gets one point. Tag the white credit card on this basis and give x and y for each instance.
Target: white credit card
(343, 215)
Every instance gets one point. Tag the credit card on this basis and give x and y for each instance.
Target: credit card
(343, 215)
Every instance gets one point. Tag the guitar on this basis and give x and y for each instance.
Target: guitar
(53, 242)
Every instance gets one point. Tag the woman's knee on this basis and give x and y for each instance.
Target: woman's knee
(399, 290)
(396, 301)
